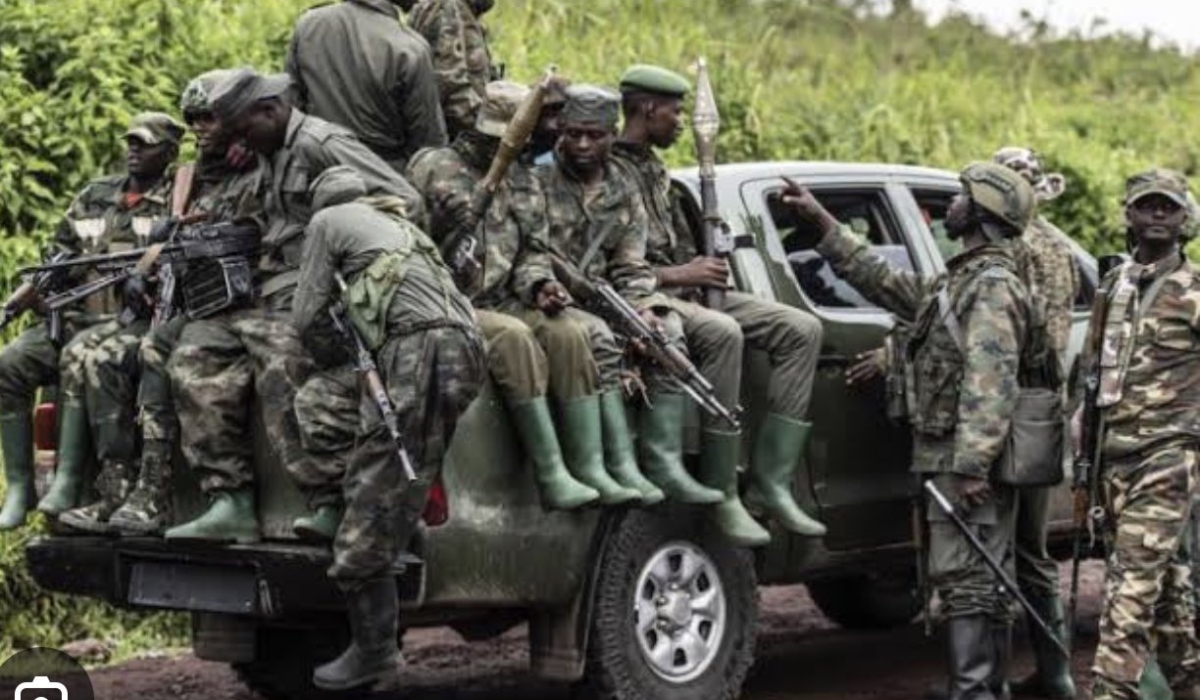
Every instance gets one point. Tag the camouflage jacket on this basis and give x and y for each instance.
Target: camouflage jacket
(311, 146)
(460, 57)
(513, 244)
(610, 223)
(1052, 279)
(669, 239)
(103, 219)
(226, 193)
(347, 239)
(1159, 338)
(960, 399)
(357, 65)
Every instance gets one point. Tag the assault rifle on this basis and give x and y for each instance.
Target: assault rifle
(660, 349)
(365, 363)
(1005, 581)
(35, 291)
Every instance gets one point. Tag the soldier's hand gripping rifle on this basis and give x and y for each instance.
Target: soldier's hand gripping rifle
(666, 355)
(706, 124)
(365, 364)
(31, 293)
(516, 135)
(1002, 578)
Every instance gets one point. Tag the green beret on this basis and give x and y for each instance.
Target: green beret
(589, 104)
(660, 81)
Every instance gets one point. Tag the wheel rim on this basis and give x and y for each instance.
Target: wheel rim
(679, 612)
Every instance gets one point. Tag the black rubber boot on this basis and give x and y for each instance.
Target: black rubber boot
(1052, 676)
(1001, 653)
(971, 657)
(373, 654)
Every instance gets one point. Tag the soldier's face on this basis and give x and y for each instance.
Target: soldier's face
(145, 160)
(264, 126)
(664, 121)
(585, 147)
(207, 129)
(1156, 218)
(958, 216)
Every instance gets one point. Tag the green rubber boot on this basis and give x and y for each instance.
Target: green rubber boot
(777, 453)
(374, 654)
(719, 452)
(321, 526)
(1153, 685)
(1052, 675)
(660, 444)
(16, 439)
(113, 484)
(619, 455)
(583, 450)
(559, 490)
(147, 510)
(74, 446)
(232, 517)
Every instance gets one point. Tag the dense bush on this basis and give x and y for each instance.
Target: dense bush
(797, 79)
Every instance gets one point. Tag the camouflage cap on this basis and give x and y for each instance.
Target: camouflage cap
(153, 128)
(335, 185)
(1192, 227)
(1000, 192)
(196, 96)
(590, 104)
(1027, 162)
(1168, 183)
(242, 88)
(654, 79)
(500, 103)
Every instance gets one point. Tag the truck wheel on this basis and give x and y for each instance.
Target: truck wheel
(675, 615)
(285, 658)
(873, 601)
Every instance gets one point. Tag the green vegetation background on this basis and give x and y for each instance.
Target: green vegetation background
(797, 79)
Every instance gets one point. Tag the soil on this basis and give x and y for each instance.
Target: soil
(801, 656)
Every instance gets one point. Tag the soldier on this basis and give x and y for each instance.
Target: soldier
(972, 323)
(111, 213)
(222, 364)
(597, 232)
(402, 300)
(1146, 350)
(534, 341)
(355, 64)
(652, 101)
(540, 150)
(460, 55)
(1052, 281)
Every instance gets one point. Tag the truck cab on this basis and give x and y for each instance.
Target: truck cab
(631, 602)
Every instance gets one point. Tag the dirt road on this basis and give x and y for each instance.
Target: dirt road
(801, 656)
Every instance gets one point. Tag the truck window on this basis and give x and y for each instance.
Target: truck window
(867, 213)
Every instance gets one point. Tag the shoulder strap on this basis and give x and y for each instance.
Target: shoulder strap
(946, 311)
(181, 191)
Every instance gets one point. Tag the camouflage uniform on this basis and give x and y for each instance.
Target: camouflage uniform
(460, 57)
(354, 63)
(1150, 466)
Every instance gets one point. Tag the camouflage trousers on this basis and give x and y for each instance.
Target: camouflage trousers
(219, 368)
(789, 337)
(565, 343)
(100, 369)
(964, 583)
(156, 409)
(431, 376)
(1149, 604)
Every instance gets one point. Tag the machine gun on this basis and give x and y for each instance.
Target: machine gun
(667, 356)
(706, 124)
(364, 362)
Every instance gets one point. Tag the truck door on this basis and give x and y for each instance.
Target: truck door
(859, 459)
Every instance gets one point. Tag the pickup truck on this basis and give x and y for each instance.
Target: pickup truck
(634, 604)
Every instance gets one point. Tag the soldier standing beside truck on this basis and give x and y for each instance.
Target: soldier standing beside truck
(402, 301)
(965, 356)
(652, 102)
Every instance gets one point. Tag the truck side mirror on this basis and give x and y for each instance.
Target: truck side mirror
(1107, 263)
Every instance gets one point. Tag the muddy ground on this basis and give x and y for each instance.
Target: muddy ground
(801, 656)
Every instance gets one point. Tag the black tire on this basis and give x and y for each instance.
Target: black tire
(617, 666)
(285, 658)
(874, 601)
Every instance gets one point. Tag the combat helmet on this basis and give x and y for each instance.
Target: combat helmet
(1001, 192)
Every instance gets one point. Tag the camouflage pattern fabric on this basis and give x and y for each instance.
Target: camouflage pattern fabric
(32, 361)
(460, 57)
(327, 411)
(669, 240)
(355, 64)
(112, 374)
(219, 368)
(1149, 602)
(1053, 279)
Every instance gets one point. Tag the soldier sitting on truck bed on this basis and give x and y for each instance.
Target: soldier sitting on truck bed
(112, 212)
(598, 234)
(402, 302)
(652, 101)
(535, 343)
